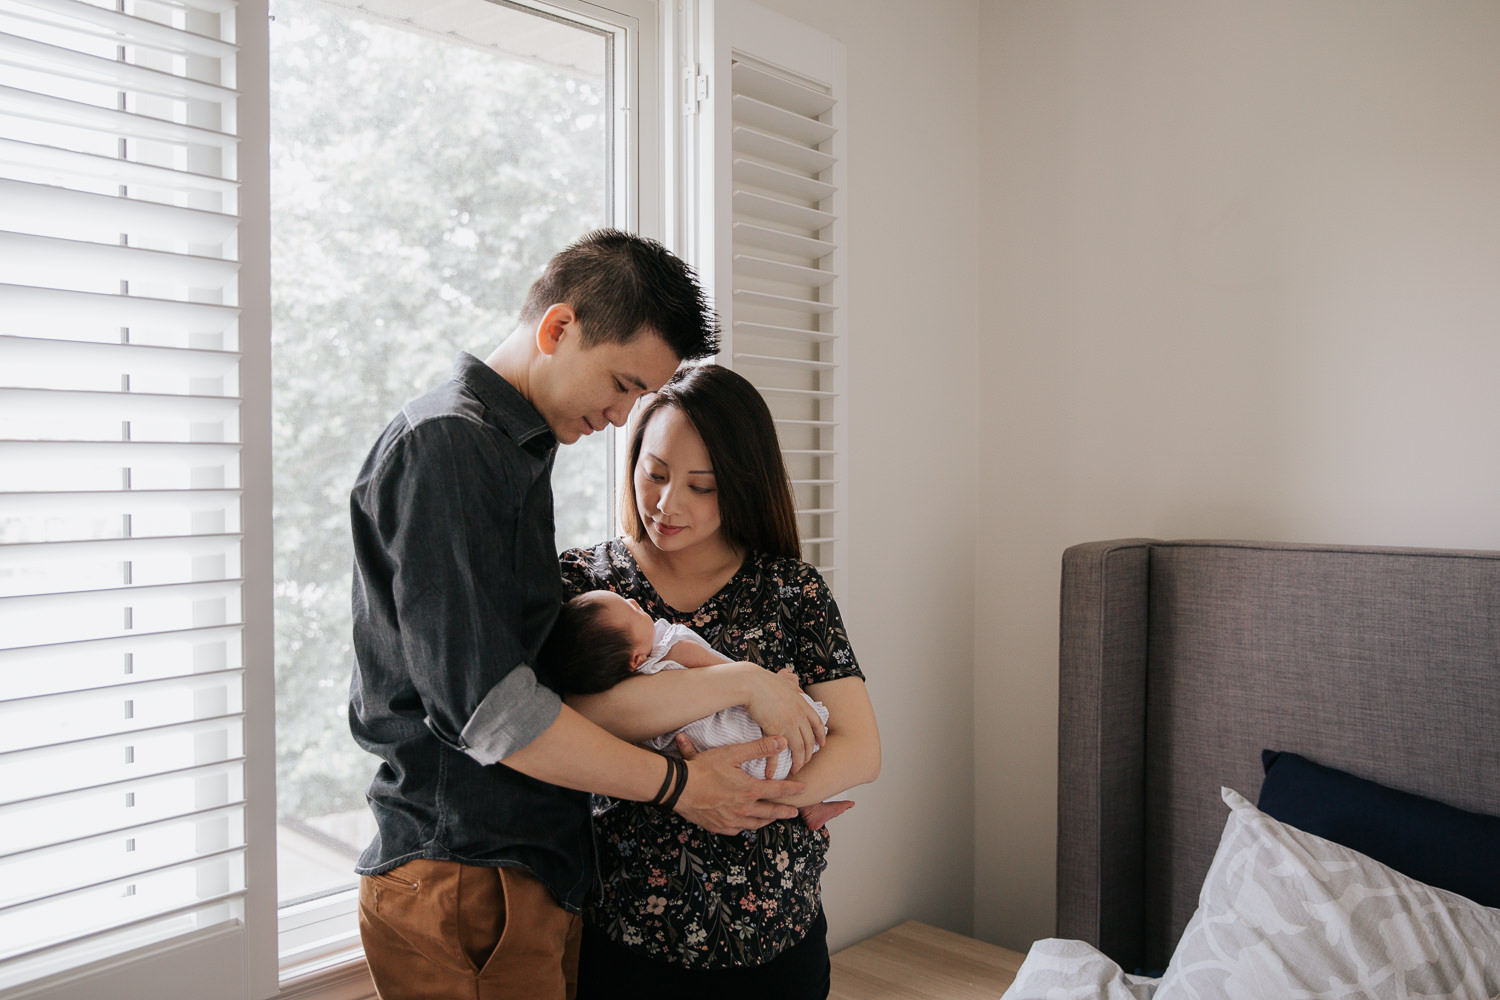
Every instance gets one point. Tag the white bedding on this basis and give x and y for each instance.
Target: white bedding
(1285, 915)
(1056, 969)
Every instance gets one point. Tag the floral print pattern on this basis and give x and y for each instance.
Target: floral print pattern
(670, 889)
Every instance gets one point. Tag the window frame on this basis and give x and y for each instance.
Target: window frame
(637, 197)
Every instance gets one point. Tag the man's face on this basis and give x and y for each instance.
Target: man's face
(586, 389)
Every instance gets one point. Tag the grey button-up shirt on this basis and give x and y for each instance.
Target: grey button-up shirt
(456, 584)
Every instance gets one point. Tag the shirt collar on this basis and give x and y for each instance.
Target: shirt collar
(517, 417)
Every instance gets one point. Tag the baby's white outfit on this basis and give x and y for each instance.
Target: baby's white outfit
(730, 725)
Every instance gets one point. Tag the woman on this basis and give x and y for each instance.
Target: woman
(710, 542)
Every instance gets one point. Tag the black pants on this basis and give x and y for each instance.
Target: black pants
(608, 971)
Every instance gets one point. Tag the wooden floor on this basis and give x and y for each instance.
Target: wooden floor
(919, 961)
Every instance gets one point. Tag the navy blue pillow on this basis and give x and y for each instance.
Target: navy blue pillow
(1422, 838)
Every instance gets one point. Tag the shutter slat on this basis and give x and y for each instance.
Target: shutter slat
(33, 54)
(110, 121)
(216, 724)
(139, 783)
(780, 151)
(52, 159)
(163, 37)
(788, 213)
(58, 404)
(785, 181)
(75, 717)
(81, 665)
(119, 549)
(56, 263)
(21, 303)
(776, 270)
(776, 390)
(778, 121)
(115, 502)
(35, 854)
(37, 619)
(775, 89)
(123, 453)
(783, 332)
(800, 364)
(132, 689)
(750, 234)
(43, 208)
(806, 306)
(124, 359)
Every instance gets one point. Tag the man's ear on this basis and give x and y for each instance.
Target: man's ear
(553, 324)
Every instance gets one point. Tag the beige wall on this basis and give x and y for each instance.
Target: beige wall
(1163, 268)
(1240, 278)
(907, 849)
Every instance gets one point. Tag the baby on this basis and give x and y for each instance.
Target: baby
(601, 638)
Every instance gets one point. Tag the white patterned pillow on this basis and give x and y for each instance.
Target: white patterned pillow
(1286, 914)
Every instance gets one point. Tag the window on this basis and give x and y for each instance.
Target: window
(137, 565)
(424, 167)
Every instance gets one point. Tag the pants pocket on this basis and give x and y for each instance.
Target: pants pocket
(409, 911)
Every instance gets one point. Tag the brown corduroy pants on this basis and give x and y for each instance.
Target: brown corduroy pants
(440, 930)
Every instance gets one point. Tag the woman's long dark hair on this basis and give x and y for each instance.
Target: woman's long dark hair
(756, 509)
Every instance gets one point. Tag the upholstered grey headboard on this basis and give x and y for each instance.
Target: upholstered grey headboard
(1181, 661)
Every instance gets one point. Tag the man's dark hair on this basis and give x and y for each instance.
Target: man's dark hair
(620, 284)
(583, 654)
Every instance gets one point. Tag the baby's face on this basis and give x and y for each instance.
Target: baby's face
(625, 614)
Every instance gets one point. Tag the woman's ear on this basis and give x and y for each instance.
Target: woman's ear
(553, 325)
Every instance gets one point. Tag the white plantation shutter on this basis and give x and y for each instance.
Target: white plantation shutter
(122, 784)
(767, 95)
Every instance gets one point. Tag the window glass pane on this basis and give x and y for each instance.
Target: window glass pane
(420, 180)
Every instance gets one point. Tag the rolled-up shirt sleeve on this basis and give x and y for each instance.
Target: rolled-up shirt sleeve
(515, 712)
(468, 540)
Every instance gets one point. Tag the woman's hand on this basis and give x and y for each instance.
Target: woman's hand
(775, 702)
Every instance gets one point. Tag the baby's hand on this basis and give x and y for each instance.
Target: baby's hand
(816, 816)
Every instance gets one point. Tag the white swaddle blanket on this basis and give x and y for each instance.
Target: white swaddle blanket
(730, 725)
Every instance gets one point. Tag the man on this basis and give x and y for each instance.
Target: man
(483, 854)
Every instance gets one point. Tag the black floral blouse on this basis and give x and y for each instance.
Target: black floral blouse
(672, 890)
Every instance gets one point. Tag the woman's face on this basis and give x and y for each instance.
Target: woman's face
(675, 491)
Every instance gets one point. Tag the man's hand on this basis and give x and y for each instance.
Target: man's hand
(777, 706)
(722, 798)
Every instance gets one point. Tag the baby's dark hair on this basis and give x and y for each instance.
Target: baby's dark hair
(584, 654)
